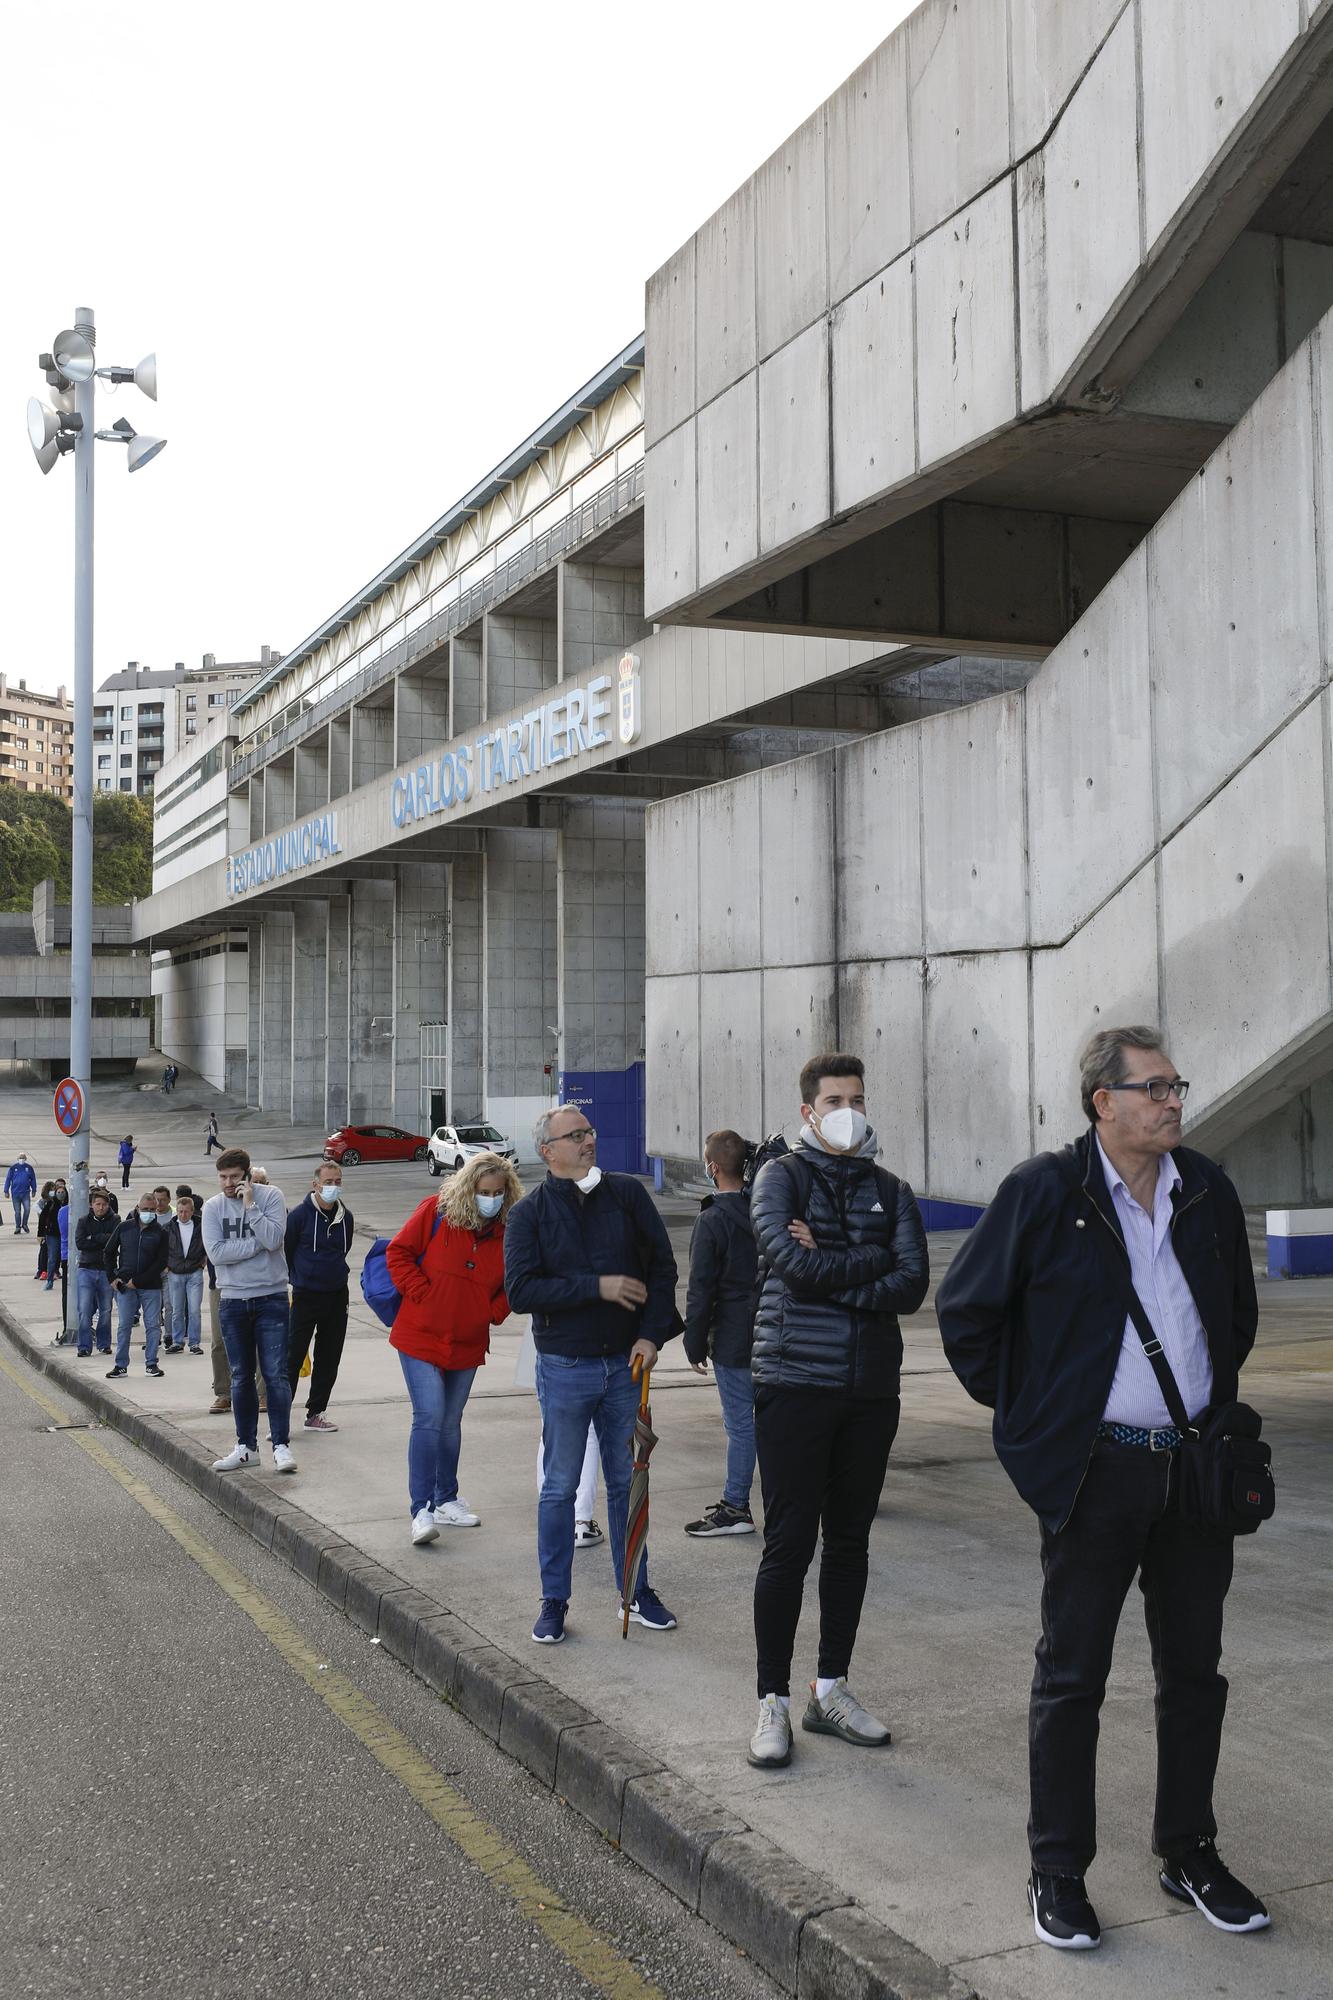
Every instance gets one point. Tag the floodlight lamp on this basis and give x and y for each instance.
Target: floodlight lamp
(43, 424)
(46, 454)
(73, 355)
(144, 448)
(145, 377)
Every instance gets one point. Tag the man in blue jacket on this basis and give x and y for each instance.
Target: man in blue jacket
(20, 1187)
(136, 1259)
(1035, 1321)
(318, 1244)
(587, 1254)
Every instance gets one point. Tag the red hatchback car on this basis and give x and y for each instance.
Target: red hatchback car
(356, 1143)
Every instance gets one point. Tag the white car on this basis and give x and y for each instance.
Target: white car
(450, 1145)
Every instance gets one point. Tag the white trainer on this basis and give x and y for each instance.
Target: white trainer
(424, 1528)
(456, 1514)
(239, 1456)
(770, 1746)
(282, 1458)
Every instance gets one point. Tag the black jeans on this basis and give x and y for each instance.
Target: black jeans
(822, 1459)
(1125, 1520)
(321, 1316)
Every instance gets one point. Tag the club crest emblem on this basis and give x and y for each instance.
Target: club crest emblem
(629, 702)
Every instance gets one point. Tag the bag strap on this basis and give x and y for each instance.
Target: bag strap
(1156, 1353)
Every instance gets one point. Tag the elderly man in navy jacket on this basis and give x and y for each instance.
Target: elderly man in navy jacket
(1034, 1314)
(587, 1254)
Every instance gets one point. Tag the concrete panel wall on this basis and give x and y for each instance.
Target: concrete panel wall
(731, 1091)
(203, 1004)
(869, 187)
(337, 1083)
(422, 711)
(371, 1011)
(874, 387)
(793, 438)
(796, 885)
(791, 256)
(1107, 972)
(672, 1028)
(372, 744)
(521, 659)
(878, 848)
(1049, 49)
(520, 968)
(465, 681)
(724, 278)
(965, 326)
(976, 1027)
(881, 1015)
(420, 979)
(466, 990)
(972, 827)
(800, 1018)
(729, 855)
(309, 991)
(728, 482)
(601, 613)
(957, 103)
(275, 1015)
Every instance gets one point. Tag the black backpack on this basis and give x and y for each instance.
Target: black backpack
(758, 1153)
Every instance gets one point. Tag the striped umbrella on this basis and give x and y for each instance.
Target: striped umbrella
(636, 1525)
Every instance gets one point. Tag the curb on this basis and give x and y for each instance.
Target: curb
(805, 1932)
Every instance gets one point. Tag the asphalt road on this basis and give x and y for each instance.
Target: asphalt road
(187, 1808)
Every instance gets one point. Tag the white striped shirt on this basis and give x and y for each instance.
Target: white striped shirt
(1135, 1397)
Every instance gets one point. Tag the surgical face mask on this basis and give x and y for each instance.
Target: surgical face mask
(147, 1215)
(843, 1130)
(329, 1191)
(589, 1181)
(490, 1205)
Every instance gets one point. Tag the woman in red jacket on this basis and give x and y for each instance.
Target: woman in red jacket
(448, 1263)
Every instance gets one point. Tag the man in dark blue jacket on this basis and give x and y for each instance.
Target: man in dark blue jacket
(319, 1242)
(136, 1259)
(1035, 1321)
(720, 1299)
(92, 1234)
(842, 1252)
(587, 1254)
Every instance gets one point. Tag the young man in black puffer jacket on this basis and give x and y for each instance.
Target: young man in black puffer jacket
(842, 1252)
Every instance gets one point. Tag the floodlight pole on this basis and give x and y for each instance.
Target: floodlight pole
(81, 869)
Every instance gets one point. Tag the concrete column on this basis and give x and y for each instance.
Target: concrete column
(340, 756)
(338, 959)
(421, 978)
(310, 943)
(601, 881)
(521, 975)
(521, 659)
(465, 993)
(465, 681)
(372, 742)
(257, 806)
(310, 773)
(275, 1014)
(600, 613)
(279, 795)
(422, 714)
(371, 1001)
(253, 1011)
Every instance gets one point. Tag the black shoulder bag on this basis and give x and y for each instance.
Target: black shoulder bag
(1226, 1470)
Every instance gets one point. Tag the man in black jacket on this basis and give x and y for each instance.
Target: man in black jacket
(842, 1252)
(1035, 1321)
(92, 1234)
(136, 1258)
(719, 1323)
(587, 1254)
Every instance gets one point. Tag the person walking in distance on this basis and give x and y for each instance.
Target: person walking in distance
(1034, 1316)
(318, 1243)
(447, 1262)
(136, 1258)
(587, 1254)
(125, 1155)
(842, 1253)
(92, 1234)
(720, 1304)
(244, 1231)
(20, 1187)
(185, 1274)
(211, 1138)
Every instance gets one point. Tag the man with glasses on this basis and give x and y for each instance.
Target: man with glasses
(1034, 1318)
(587, 1254)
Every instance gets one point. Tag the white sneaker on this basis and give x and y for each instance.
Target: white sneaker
(242, 1455)
(456, 1514)
(424, 1528)
(282, 1458)
(770, 1746)
(587, 1534)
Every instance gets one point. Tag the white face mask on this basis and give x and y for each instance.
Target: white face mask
(329, 1191)
(589, 1181)
(147, 1215)
(843, 1130)
(489, 1205)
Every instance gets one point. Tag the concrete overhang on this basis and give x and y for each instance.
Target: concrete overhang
(935, 368)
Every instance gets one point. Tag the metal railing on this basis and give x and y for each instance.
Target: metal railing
(624, 493)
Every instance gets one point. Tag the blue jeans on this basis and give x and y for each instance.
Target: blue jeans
(21, 1202)
(94, 1289)
(439, 1396)
(52, 1260)
(127, 1306)
(185, 1290)
(574, 1393)
(257, 1328)
(735, 1387)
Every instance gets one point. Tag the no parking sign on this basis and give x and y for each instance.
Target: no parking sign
(68, 1106)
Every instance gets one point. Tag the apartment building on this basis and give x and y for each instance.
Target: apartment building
(36, 739)
(143, 714)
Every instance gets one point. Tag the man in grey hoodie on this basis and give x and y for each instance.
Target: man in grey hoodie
(244, 1230)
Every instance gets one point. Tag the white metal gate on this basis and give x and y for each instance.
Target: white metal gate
(435, 1105)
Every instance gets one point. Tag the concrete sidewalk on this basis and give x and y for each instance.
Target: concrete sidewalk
(928, 1837)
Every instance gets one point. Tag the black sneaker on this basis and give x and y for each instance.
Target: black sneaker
(1062, 1913)
(1201, 1877)
(722, 1520)
(112, 1373)
(155, 1371)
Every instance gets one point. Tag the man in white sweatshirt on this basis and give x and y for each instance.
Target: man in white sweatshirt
(244, 1231)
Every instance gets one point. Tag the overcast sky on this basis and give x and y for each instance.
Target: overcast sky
(372, 246)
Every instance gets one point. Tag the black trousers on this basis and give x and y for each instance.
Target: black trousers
(1126, 1521)
(822, 1459)
(321, 1316)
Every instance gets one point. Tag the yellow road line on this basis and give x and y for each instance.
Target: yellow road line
(591, 1954)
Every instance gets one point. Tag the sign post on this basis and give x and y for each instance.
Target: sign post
(69, 1107)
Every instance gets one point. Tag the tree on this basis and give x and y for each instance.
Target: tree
(27, 856)
(37, 841)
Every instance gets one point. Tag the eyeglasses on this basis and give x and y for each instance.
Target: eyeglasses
(579, 1134)
(1159, 1088)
